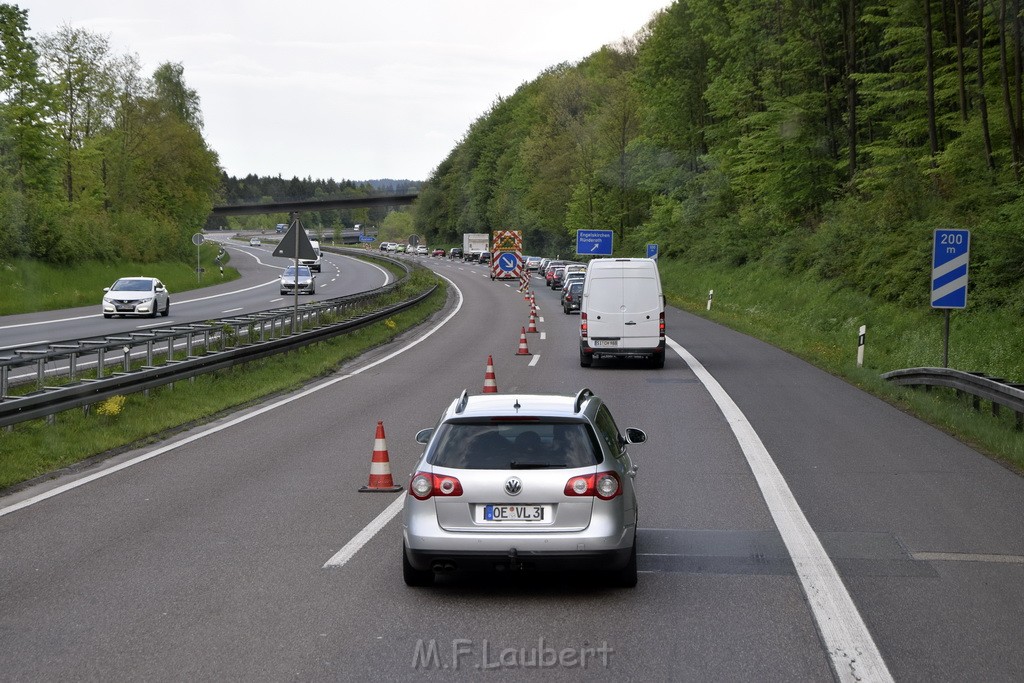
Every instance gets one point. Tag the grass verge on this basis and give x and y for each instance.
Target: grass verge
(34, 448)
(819, 322)
(30, 286)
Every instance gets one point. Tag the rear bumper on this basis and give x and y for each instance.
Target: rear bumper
(622, 352)
(515, 559)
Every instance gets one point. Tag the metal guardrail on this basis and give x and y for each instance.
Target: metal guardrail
(205, 347)
(978, 385)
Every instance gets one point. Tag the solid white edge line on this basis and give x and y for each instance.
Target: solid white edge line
(533, 361)
(349, 550)
(230, 423)
(851, 649)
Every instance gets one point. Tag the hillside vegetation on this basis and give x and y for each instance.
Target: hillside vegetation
(823, 141)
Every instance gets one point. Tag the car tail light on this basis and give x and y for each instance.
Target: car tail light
(583, 325)
(604, 485)
(568, 297)
(661, 325)
(424, 485)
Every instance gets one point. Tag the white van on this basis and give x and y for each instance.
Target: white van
(623, 311)
(314, 264)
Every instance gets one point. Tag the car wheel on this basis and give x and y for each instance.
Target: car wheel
(312, 290)
(107, 315)
(585, 360)
(167, 309)
(155, 312)
(626, 577)
(415, 577)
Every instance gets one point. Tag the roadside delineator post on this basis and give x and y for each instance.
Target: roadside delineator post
(490, 382)
(380, 467)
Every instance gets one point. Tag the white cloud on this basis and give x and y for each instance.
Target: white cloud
(348, 89)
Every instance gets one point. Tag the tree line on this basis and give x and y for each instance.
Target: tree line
(822, 137)
(253, 189)
(97, 160)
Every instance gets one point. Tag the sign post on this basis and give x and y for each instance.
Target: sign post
(198, 239)
(951, 253)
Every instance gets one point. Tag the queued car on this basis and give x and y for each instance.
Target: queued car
(568, 278)
(305, 283)
(400, 249)
(549, 270)
(557, 274)
(386, 246)
(484, 257)
(255, 242)
(572, 296)
(533, 263)
(437, 252)
(136, 296)
(456, 252)
(522, 482)
(421, 250)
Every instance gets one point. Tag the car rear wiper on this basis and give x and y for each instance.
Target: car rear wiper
(531, 465)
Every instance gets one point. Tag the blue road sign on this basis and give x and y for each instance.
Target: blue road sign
(652, 251)
(594, 242)
(950, 255)
(367, 238)
(507, 262)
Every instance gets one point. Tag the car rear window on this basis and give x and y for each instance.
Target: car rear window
(514, 445)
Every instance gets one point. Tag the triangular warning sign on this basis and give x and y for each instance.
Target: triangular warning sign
(287, 248)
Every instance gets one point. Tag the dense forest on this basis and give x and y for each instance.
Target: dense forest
(97, 161)
(820, 138)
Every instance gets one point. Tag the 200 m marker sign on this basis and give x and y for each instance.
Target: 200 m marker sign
(950, 255)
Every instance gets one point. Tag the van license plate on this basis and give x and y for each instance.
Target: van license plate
(514, 513)
(596, 343)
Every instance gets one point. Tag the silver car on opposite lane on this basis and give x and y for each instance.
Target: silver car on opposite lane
(511, 482)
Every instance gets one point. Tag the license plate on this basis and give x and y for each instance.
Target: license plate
(603, 342)
(514, 513)
(126, 308)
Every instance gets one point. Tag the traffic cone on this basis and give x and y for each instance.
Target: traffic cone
(380, 467)
(523, 351)
(490, 385)
(532, 329)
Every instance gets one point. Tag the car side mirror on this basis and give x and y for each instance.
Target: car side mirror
(106, 289)
(423, 436)
(634, 435)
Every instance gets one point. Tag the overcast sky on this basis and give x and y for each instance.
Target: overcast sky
(347, 89)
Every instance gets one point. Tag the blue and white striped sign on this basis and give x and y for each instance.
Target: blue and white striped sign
(950, 255)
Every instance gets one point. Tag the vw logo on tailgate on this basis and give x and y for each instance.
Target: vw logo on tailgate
(513, 486)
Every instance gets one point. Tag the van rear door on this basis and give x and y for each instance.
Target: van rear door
(641, 306)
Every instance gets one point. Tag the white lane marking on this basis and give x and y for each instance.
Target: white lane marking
(543, 336)
(349, 550)
(25, 345)
(540, 320)
(533, 361)
(232, 310)
(852, 650)
(231, 423)
(143, 327)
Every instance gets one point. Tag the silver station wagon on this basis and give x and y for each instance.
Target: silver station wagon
(523, 482)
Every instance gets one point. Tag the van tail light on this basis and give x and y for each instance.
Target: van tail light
(661, 325)
(424, 485)
(604, 485)
(583, 325)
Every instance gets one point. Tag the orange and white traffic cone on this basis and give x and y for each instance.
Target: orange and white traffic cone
(380, 467)
(532, 329)
(490, 385)
(523, 351)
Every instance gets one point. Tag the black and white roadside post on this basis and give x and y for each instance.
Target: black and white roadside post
(860, 345)
(711, 295)
(951, 253)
